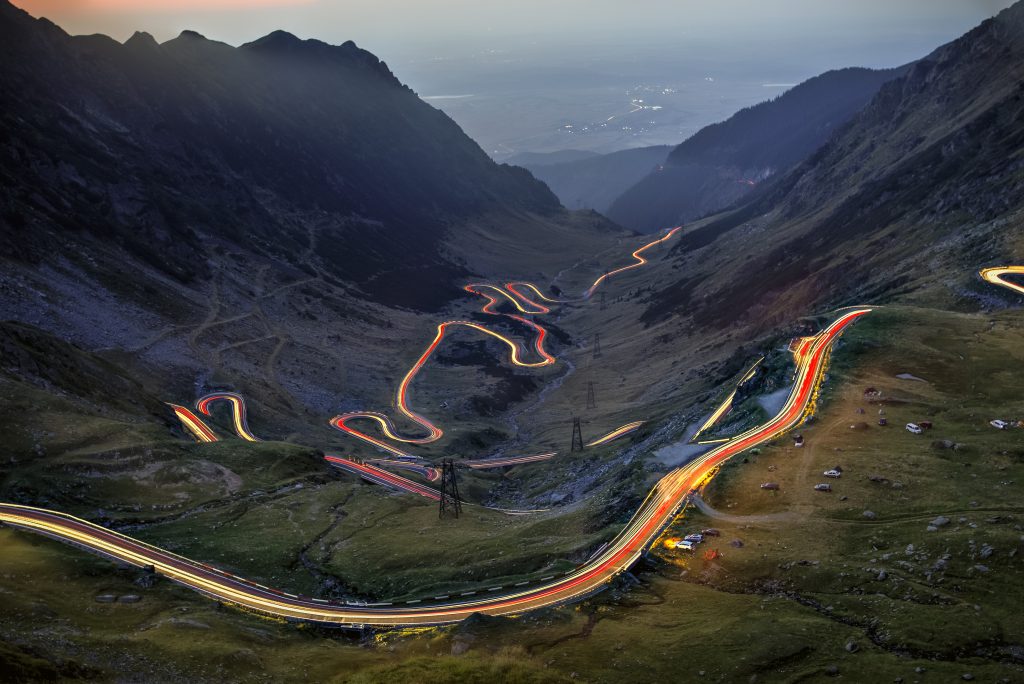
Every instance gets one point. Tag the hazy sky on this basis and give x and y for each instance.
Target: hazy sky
(401, 28)
(542, 75)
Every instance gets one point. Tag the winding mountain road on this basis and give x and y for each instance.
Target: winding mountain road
(656, 511)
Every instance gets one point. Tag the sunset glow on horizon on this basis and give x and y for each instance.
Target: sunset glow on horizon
(41, 7)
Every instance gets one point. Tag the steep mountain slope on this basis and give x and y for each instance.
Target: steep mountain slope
(594, 182)
(924, 186)
(282, 145)
(723, 162)
(276, 217)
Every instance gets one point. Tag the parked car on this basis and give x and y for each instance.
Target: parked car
(696, 538)
(711, 532)
(999, 424)
(769, 485)
(685, 545)
(833, 473)
(823, 487)
(914, 428)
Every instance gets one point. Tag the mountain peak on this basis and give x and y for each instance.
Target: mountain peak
(283, 43)
(189, 34)
(141, 39)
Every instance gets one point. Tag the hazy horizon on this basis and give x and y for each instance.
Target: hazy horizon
(526, 77)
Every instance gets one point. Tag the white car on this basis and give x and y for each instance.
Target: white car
(914, 428)
(832, 473)
(999, 424)
(685, 545)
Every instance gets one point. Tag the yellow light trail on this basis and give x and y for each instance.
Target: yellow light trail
(725, 407)
(616, 433)
(640, 261)
(194, 424)
(238, 412)
(997, 276)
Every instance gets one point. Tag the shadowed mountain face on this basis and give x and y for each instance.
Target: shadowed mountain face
(295, 150)
(918, 191)
(723, 162)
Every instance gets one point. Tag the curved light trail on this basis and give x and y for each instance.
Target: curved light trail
(380, 476)
(656, 511)
(640, 261)
(238, 414)
(524, 304)
(997, 276)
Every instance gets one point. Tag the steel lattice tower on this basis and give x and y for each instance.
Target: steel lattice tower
(591, 400)
(450, 503)
(596, 352)
(577, 435)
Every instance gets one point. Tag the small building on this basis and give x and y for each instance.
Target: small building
(883, 421)
(770, 485)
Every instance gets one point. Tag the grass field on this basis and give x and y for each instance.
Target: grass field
(817, 587)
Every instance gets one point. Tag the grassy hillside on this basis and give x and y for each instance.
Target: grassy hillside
(816, 587)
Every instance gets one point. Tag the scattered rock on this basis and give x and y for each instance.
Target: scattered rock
(129, 598)
(986, 551)
(909, 550)
(106, 598)
(832, 670)
(882, 576)
(940, 521)
(146, 581)
(981, 568)
(878, 478)
(943, 444)
(852, 646)
(870, 515)
(736, 543)
(967, 676)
